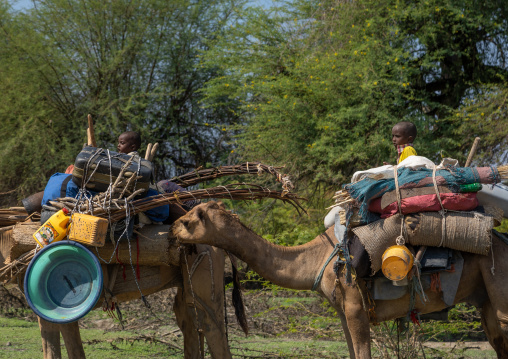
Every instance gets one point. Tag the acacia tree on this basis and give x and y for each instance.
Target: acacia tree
(133, 65)
(321, 83)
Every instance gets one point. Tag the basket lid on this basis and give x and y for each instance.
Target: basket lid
(63, 282)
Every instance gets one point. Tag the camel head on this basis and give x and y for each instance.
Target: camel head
(202, 223)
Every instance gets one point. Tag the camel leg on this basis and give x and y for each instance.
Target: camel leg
(492, 330)
(50, 334)
(207, 295)
(495, 312)
(186, 324)
(347, 334)
(72, 340)
(357, 321)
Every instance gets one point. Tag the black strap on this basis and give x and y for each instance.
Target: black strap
(63, 189)
(501, 236)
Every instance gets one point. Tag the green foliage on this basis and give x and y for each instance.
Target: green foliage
(484, 115)
(464, 324)
(133, 65)
(503, 228)
(321, 83)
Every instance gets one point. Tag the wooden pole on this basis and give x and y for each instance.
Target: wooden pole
(472, 152)
(148, 151)
(90, 132)
(72, 340)
(50, 335)
(154, 150)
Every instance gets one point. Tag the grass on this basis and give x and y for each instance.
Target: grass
(21, 340)
(283, 324)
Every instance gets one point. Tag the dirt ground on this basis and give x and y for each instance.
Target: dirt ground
(275, 314)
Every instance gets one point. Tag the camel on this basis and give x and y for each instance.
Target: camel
(297, 268)
(198, 306)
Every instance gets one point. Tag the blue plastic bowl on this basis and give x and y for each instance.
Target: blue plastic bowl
(63, 282)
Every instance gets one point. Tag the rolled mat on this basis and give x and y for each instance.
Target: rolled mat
(464, 231)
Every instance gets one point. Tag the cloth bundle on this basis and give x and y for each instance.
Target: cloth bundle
(369, 189)
(423, 200)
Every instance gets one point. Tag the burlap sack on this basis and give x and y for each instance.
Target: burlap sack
(464, 231)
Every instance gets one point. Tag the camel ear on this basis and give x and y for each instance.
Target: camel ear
(200, 213)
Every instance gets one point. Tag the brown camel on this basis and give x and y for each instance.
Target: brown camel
(198, 307)
(297, 268)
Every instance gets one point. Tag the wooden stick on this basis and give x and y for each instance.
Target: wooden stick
(472, 152)
(154, 150)
(148, 151)
(91, 133)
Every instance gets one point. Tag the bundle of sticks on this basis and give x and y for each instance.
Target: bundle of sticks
(206, 174)
(341, 198)
(11, 270)
(117, 209)
(503, 172)
(12, 215)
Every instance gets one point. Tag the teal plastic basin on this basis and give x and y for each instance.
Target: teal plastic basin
(63, 282)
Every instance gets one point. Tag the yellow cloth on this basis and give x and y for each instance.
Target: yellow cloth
(408, 151)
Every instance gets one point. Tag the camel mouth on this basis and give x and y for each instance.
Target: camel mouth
(181, 230)
(176, 228)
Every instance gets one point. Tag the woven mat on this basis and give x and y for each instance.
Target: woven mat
(465, 231)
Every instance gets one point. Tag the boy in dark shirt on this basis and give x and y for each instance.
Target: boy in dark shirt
(129, 142)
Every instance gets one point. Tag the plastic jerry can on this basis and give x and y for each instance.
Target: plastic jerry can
(54, 229)
(87, 229)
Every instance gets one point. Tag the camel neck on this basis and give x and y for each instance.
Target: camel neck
(290, 267)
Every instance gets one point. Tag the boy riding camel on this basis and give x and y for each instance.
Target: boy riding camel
(403, 135)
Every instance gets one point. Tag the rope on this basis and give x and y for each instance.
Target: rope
(193, 301)
(197, 262)
(442, 212)
(335, 251)
(400, 240)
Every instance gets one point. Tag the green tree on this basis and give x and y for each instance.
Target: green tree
(133, 65)
(321, 83)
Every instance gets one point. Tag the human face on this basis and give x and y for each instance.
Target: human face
(125, 144)
(399, 137)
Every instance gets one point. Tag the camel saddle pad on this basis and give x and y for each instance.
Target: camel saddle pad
(463, 231)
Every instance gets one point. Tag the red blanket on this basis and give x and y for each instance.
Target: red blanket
(427, 203)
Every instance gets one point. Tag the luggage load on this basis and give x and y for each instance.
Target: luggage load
(419, 205)
(376, 237)
(425, 203)
(368, 189)
(154, 244)
(98, 168)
